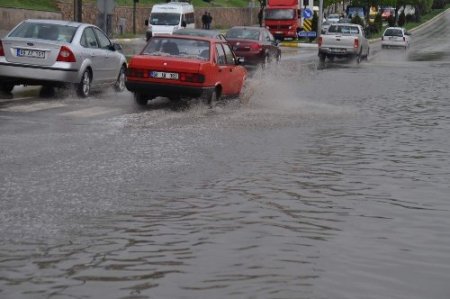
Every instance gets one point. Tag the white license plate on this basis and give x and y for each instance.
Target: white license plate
(30, 53)
(337, 50)
(164, 75)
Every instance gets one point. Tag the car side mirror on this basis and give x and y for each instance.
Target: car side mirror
(116, 47)
(146, 22)
(238, 61)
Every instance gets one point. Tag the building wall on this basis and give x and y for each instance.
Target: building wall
(222, 17)
(10, 17)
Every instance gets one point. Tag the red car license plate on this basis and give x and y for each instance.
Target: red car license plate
(164, 75)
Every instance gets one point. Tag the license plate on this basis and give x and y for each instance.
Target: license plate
(30, 53)
(164, 75)
(337, 50)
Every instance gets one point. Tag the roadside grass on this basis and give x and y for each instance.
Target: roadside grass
(42, 5)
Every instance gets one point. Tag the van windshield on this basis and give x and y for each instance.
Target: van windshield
(163, 18)
(280, 14)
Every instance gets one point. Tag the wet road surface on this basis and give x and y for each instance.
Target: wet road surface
(324, 183)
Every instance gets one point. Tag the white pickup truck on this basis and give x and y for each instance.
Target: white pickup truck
(343, 40)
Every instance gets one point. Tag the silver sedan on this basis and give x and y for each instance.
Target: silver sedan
(55, 53)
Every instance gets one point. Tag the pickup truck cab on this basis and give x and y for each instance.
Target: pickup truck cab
(343, 40)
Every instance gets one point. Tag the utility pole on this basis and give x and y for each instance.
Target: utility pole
(319, 26)
(134, 16)
(77, 10)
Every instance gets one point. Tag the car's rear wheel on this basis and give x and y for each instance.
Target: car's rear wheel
(213, 97)
(322, 57)
(6, 88)
(119, 86)
(84, 87)
(140, 99)
(358, 57)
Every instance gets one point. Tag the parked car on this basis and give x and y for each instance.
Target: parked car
(55, 53)
(343, 40)
(200, 32)
(395, 37)
(176, 66)
(253, 45)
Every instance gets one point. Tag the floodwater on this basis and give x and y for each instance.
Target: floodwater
(326, 184)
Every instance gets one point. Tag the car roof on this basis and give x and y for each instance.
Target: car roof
(398, 28)
(57, 22)
(179, 36)
(248, 27)
(200, 32)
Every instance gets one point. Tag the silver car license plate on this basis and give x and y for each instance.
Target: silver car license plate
(30, 53)
(164, 75)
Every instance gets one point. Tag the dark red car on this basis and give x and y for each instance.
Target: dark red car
(253, 45)
(176, 66)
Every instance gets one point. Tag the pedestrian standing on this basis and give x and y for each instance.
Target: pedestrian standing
(260, 16)
(205, 20)
(209, 21)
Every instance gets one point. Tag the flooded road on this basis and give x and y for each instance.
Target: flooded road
(330, 183)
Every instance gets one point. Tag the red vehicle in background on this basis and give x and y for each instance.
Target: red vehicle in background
(283, 18)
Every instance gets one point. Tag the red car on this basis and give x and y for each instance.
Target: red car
(176, 66)
(253, 45)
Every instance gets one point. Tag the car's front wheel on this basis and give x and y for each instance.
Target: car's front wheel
(84, 87)
(119, 86)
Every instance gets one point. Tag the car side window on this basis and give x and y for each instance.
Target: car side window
(266, 36)
(88, 39)
(220, 56)
(103, 40)
(229, 54)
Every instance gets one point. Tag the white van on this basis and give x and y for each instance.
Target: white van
(165, 18)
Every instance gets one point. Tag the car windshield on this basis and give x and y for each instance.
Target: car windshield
(343, 29)
(178, 47)
(279, 14)
(243, 33)
(162, 18)
(393, 32)
(46, 31)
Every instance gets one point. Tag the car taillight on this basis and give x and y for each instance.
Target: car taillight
(2, 52)
(356, 43)
(319, 41)
(256, 47)
(192, 77)
(66, 55)
(137, 73)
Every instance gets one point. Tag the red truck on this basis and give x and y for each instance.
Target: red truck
(283, 18)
